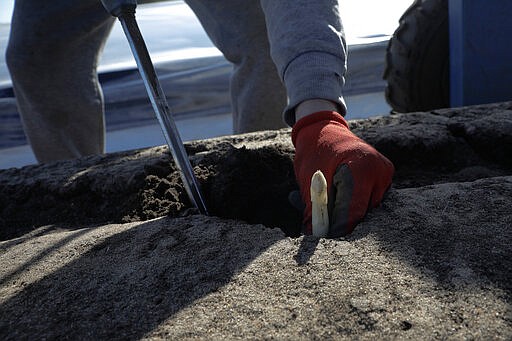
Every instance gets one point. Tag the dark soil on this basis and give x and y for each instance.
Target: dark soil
(434, 259)
(248, 183)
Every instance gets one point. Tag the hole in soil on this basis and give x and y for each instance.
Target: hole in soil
(253, 185)
(237, 183)
(405, 325)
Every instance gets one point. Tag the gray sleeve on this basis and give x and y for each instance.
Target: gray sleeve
(308, 46)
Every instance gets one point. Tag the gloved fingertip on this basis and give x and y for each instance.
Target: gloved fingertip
(340, 199)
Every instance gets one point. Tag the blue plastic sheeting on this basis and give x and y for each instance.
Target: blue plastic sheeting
(480, 51)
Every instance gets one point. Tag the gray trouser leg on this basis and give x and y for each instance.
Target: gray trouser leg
(238, 29)
(52, 57)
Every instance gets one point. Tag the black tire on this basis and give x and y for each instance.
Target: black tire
(417, 59)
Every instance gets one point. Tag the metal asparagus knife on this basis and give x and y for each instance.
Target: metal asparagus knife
(124, 10)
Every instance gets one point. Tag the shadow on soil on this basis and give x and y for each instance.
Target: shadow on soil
(456, 234)
(133, 281)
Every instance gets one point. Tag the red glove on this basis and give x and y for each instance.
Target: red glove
(357, 175)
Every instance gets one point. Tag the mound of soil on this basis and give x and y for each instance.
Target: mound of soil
(83, 256)
(248, 177)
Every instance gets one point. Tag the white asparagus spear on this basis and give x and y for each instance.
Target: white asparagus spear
(320, 215)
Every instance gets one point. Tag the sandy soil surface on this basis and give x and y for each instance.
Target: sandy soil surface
(106, 247)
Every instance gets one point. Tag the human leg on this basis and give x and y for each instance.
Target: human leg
(238, 29)
(52, 57)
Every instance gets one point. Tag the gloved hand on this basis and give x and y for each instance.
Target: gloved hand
(357, 175)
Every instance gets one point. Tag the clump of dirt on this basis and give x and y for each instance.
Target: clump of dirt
(159, 192)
